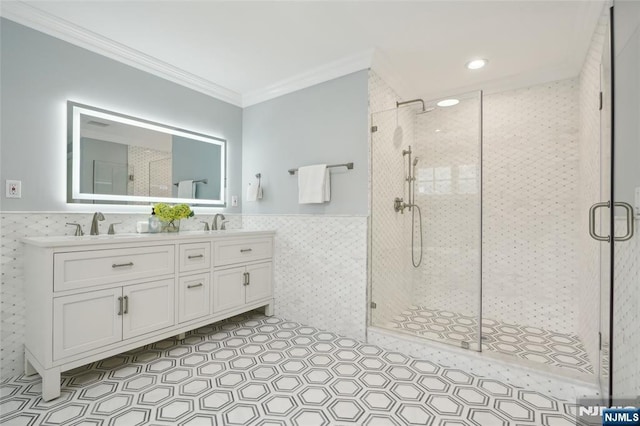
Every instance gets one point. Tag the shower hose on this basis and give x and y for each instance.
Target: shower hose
(413, 235)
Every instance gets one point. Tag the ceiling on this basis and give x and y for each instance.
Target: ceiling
(246, 52)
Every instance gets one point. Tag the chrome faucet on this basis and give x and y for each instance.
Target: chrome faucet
(94, 223)
(214, 225)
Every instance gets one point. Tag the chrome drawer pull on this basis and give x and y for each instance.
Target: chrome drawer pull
(119, 305)
(195, 256)
(121, 265)
(194, 285)
(126, 304)
(245, 250)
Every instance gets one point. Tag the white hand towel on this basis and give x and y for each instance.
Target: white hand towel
(327, 185)
(313, 182)
(186, 189)
(252, 192)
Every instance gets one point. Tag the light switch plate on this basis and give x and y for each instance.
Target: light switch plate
(234, 201)
(14, 189)
(637, 202)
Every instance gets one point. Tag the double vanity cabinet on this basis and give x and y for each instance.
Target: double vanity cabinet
(90, 298)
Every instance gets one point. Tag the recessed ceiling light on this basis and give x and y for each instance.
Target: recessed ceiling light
(448, 102)
(476, 64)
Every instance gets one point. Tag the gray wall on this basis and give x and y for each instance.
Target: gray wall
(326, 123)
(192, 160)
(40, 73)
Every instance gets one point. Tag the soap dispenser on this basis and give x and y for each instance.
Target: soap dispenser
(154, 222)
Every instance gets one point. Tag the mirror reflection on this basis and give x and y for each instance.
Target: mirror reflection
(118, 158)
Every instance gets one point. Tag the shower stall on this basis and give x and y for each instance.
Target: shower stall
(426, 221)
(473, 232)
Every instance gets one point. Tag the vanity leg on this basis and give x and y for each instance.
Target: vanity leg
(268, 309)
(50, 384)
(28, 368)
(181, 336)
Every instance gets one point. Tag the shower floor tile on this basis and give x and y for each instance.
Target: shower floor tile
(255, 370)
(526, 342)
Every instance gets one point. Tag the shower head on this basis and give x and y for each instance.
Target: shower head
(424, 111)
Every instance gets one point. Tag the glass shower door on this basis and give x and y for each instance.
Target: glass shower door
(426, 257)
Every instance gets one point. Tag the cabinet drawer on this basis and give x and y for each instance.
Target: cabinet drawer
(195, 256)
(91, 268)
(193, 297)
(242, 250)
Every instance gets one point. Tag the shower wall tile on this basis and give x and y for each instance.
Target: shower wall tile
(530, 206)
(14, 227)
(626, 338)
(588, 291)
(391, 288)
(320, 271)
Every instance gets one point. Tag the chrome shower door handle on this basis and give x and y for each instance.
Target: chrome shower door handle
(630, 221)
(592, 221)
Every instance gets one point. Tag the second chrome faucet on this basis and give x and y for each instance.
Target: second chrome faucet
(214, 225)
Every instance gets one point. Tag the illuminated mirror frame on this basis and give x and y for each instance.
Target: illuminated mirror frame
(75, 110)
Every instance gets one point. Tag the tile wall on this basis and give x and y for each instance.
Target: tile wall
(320, 269)
(530, 206)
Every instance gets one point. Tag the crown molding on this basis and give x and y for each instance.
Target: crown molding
(49, 24)
(321, 74)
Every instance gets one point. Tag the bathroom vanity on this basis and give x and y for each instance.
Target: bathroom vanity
(92, 297)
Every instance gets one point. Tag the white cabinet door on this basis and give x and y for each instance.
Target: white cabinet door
(86, 321)
(193, 297)
(147, 307)
(228, 289)
(259, 282)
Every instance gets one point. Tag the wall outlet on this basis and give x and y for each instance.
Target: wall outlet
(234, 201)
(14, 189)
(637, 202)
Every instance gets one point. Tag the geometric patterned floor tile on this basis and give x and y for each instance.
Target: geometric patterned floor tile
(257, 370)
(526, 342)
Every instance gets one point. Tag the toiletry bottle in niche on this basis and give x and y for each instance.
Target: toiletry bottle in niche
(154, 222)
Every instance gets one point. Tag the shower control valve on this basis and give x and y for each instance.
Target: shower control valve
(399, 205)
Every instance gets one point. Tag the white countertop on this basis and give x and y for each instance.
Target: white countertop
(87, 240)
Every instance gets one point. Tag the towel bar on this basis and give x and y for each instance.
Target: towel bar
(347, 165)
(205, 181)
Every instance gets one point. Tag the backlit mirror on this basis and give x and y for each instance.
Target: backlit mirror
(121, 159)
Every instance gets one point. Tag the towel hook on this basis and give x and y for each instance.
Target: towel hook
(259, 176)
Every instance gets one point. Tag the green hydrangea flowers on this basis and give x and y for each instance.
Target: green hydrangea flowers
(169, 213)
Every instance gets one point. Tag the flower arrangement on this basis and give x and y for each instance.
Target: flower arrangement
(171, 214)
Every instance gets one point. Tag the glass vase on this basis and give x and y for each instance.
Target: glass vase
(171, 226)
